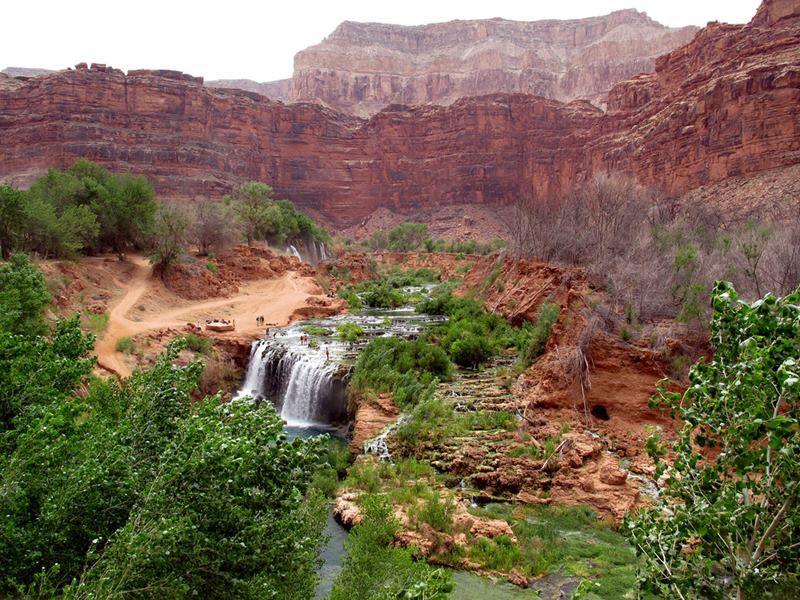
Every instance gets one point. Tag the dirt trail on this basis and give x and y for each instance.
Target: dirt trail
(274, 299)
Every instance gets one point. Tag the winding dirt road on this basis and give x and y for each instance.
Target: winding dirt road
(274, 299)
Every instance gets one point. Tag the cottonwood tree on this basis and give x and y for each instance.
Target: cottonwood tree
(728, 524)
(253, 203)
(215, 226)
(170, 236)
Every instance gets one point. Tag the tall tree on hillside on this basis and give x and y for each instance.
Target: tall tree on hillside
(728, 525)
(254, 204)
(170, 236)
(12, 219)
(215, 226)
(126, 212)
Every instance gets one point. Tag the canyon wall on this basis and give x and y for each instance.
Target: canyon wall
(362, 67)
(726, 104)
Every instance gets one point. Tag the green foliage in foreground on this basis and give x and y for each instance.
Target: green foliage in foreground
(729, 525)
(130, 490)
(373, 570)
(23, 297)
(569, 540)
(410, 370)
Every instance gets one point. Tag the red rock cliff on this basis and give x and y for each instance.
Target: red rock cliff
(362, 67)
(726, 104)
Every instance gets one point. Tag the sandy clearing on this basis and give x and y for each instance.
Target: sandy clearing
(274, 299)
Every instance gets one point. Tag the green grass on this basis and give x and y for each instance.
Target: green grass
(198, 343)
(96, 323)
(568, 540)
(349, 332)
(212, 266)
(317, 330)
(125, 344)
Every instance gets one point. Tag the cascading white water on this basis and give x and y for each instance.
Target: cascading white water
(308, 249)
(301, 381)
(310, 382)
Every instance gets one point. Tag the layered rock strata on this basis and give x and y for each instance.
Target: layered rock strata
(726, 104)
(362, 67)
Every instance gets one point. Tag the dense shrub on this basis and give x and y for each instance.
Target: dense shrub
(130, 489)
(23, 297)
(408, 369)
(374, 570)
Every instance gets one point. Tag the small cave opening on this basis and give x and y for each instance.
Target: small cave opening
(599, 412)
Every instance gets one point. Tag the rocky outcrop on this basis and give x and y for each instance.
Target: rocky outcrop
(727, 104)
(362, 67)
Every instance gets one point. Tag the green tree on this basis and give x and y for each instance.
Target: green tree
(253, 203)
(132, 490)
(214, 226)
(170, 236)
(727, 525)
(23, 297)
(126, 212)
(12, 219)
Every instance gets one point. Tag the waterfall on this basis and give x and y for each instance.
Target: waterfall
(308, 249)
(305, 387)
(290, 249)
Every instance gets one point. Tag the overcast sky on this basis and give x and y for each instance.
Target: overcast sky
(257, 40)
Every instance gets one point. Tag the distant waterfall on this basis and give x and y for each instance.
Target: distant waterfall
(308, 249)
(290, 249)
(305, 387)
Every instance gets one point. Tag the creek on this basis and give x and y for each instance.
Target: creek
(305, 376)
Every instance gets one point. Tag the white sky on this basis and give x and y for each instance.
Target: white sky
(232, 39)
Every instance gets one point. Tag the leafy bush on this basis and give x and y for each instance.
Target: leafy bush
(471, 335)
(352, 299)
(540, 332)
(470, 349)
(212, 266)
(349, 332)
(125, 344)
(436, 512)
(373, 570)
(316, 330)
(23, 297)
(408, 369)
(197, 343)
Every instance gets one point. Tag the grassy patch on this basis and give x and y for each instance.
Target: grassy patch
(125, 344)
(198, 343)
(96, 323)
(317, 330)
(410, 370)
(570, 540)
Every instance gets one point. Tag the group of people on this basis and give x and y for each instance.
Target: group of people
(259, 320)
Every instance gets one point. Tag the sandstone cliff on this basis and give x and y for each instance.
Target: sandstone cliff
(727, 104)
(274, 90)
(362, 67)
